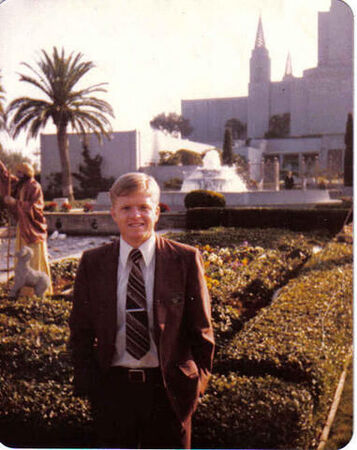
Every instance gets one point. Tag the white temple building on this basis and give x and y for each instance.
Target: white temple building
(315, 105)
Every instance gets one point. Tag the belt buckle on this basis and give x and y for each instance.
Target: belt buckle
(137, 376)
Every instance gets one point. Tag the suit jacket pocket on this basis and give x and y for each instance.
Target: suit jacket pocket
(189, 368)
(176, 298)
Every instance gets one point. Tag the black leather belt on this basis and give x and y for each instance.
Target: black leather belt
(140, 376)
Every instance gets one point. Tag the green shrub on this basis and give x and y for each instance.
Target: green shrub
(203, 198)
(183, 156)
(245, 266)
(304, 339)
(239, 411)
(269, 238)
(38, 408)
(331, 219)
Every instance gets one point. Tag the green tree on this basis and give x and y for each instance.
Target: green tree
(348, 160)
(189, 158)
(172, 123)
(168, 158)
(68, 106)
(90, 176)
(238, 128)
(227, 155)
(182, 156)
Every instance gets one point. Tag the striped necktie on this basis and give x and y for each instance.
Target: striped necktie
(137, 328)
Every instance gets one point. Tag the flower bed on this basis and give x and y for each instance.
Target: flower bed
(50, 206)
(66, 207)
(271, 385)
(300, 343)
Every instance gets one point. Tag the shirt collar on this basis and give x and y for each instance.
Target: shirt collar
(147, 249)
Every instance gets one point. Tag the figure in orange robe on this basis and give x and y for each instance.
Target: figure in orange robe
(26, 205)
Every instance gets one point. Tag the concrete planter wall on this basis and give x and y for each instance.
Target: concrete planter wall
(101, 223)
(283, 198)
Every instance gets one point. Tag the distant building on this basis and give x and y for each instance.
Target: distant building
(121, 154)
(314, 106)
(126, 151)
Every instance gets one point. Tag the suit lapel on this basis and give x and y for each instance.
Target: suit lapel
(159, 310)
(167, 284)
(109, 269)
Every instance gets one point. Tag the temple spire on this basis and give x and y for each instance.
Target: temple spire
(288, 67)
(259, 40)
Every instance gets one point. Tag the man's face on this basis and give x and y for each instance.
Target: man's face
(136, 215)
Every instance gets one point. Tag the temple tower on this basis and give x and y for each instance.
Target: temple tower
(259, 87)
(288, 68)
(335, 38)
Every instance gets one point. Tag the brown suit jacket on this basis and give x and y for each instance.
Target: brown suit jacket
(182, 320)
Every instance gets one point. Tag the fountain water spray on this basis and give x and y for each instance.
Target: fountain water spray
(213, 176)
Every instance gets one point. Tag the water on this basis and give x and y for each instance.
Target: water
(213, 176)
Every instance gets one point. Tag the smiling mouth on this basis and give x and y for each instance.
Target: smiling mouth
(136, 225)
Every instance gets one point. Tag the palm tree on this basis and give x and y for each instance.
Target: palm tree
(67, 106)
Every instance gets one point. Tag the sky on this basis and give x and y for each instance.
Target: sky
(154, 53)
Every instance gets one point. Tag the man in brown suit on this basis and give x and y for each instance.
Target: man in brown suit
(141, 334)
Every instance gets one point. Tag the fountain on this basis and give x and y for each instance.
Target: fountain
(213, 176)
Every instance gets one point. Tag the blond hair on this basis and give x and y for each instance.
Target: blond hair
(26, 169)
(135, 182)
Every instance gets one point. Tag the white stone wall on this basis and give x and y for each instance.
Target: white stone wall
(208, 117)
(335, 45)
(258, 109)
(166, 173)
(281, 93)
(120, 154)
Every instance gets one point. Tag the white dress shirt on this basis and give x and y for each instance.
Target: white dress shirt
(147, 264)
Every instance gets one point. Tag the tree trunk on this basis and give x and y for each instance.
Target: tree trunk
(63, 148)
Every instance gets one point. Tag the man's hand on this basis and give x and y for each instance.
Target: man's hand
(11, 201)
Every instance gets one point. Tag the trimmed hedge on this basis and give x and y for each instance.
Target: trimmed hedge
(293, 219)
(253, 412)
(302, 339)
(38, 408)
(204, 198)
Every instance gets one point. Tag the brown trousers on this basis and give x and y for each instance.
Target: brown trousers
(134, 414)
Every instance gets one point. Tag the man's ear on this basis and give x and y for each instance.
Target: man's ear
(158, 209)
